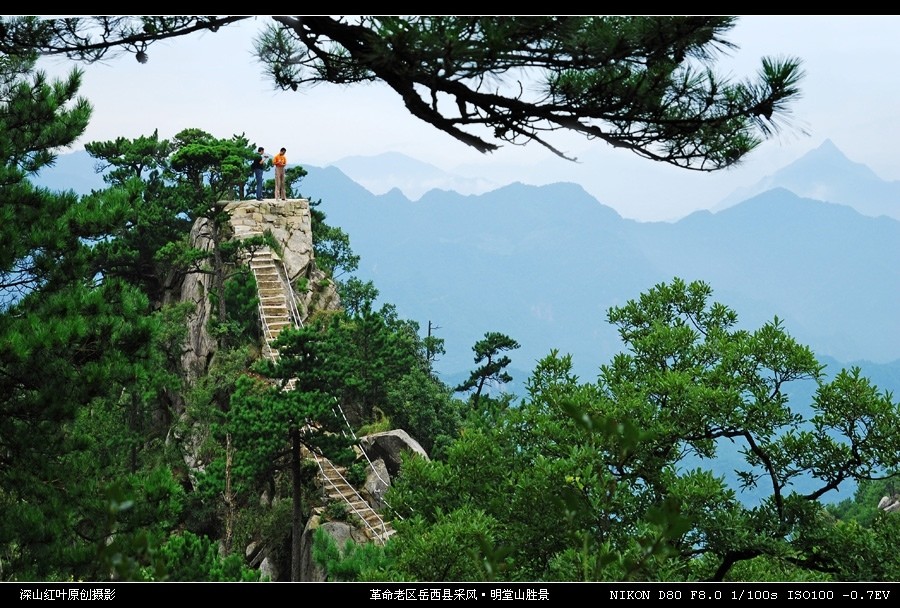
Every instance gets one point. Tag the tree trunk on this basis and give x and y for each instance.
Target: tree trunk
(229, 497)
(297, 506)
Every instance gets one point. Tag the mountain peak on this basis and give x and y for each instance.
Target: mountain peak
(827, 151)
(826, 174)
(825, 164)
(828, 146)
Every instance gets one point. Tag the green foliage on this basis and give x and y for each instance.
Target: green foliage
(336, 510)
(261, 421)
(122, 556)
(493, 364)
(188, 557)
(593, 475)
(357, 295)
(265, 525)
(242, 304)
(643, 83)
(292, 178)
(352, 563)
(765, 569)
(381, 424)
(458, 546)
(204, 427)
(84, 286)
(356, 473)
(579, 481)
(270, 423)
(863, 507)
(425, 408)
(37, 118)
(124, 160)
(158, 190)
(332, 245)
(87, 345)
(367, 353)
(211, 166)
(132, 518)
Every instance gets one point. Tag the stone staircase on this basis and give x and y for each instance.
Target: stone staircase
(278, 310)
(274, 305)
(336, 488)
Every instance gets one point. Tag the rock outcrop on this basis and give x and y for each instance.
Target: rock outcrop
(339, 531)
(889, 504)
(288, 228)
(389, 447)
(290, 225)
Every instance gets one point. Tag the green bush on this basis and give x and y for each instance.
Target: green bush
(336, 511)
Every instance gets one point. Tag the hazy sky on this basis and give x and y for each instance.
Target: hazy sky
(211, 82)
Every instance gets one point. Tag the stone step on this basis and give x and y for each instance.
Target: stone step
(278, 324)
(336, 488)
(276, 312)
(333, 486)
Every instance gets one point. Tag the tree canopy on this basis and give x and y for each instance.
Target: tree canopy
(642, 83)
(79, 359)
(613, 479)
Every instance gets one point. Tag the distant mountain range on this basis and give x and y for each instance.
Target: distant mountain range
(825, 174)
(391, 170)
(543, 264)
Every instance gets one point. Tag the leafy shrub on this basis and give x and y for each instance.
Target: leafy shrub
(336, 511)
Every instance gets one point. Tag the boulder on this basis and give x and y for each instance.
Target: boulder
(388, 447)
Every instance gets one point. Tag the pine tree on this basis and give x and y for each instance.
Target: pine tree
(643, 83)
(73, 339)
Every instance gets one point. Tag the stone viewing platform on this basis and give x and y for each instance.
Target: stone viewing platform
(289, 222)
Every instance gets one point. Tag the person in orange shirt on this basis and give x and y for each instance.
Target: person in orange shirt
(280, 162)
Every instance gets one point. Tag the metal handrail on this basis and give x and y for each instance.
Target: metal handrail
(378, 536)
(291, 298)
(294, 313)
(365, 454)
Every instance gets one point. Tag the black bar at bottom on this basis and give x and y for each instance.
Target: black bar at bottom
(385, 592)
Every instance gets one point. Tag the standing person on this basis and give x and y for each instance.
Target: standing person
(280, 161)
(257, 166)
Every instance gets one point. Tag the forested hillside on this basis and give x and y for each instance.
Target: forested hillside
(150, 432)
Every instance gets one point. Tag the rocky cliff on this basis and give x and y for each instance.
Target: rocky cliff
(289, 226)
